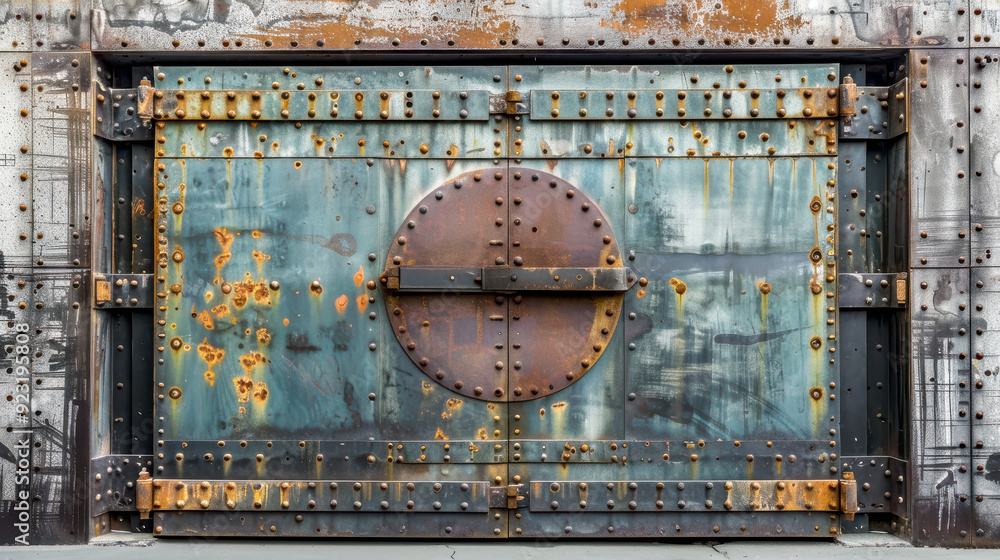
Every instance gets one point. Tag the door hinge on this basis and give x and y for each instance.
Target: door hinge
(848, 496)
(124, 113)
(848, 99)
(132, 291)
(509, 103)
(507, 497)
(144, 494)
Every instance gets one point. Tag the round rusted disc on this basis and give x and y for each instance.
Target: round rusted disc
(504, 347)
(458, 339)
(556, 337)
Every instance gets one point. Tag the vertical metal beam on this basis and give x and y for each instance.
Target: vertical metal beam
(939, 255)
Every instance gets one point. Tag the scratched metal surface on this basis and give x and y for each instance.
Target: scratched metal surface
(635, 25)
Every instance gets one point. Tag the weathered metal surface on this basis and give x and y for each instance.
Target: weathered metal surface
(938, 146)
(984, 231)
(735, 297)
(983, 408)
(116, 114)
(640, 25)
(940, 453)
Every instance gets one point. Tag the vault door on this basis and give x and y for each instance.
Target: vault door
(285, 405)
(713, 410)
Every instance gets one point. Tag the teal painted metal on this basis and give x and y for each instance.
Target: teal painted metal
(723, 365)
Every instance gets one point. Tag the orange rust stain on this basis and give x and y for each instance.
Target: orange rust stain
(205, 317)
(244, 387)
(285, 321)
(738, 17)
(221, 310)
(256, 234)
(243, 290)
(225, 240)
(243, 409)
(250, 360)
(558, 405)
(679, 286)
(486, 30)
(451, 406)
(263, 336)
(362, 302)
(359, 276)
(439, 434)
(260, 392)
(482, 434)
(260, 257)
(139, 207)
(210, 354)
(641, 292)
(341, 304)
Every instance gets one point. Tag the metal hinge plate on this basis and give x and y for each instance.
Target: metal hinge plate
(873, 112)
(124, 114)
(872, 291)
(130, 291)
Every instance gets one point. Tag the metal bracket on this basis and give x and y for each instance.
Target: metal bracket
(132, 291)
(509, 103)
(123, 114)
(507, 497)
(881, 483)
(508, 279)
(872, 291)
(114, 480)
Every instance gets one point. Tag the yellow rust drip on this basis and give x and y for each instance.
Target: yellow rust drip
(707, 181)
(439, 434)
(359, 276)
(731, 162)
(225, 240)
(260, 257)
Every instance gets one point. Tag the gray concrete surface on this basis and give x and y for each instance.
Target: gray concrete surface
(870, 546)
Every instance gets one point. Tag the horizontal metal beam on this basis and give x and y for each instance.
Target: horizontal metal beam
(339, 496)
(317, 104)
(692, 496)
(509, 279)
(655, 104)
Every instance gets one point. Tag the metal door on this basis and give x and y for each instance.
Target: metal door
(496, 301)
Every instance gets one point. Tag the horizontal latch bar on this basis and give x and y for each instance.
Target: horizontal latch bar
(690, 496)
(320, 495)
(366, 105)
(871, 291)
(133, 291)
(510, 279)
(667, 104)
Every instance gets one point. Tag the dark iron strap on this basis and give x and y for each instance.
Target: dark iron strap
(508, 279)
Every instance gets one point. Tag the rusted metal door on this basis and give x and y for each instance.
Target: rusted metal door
(496, 301)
